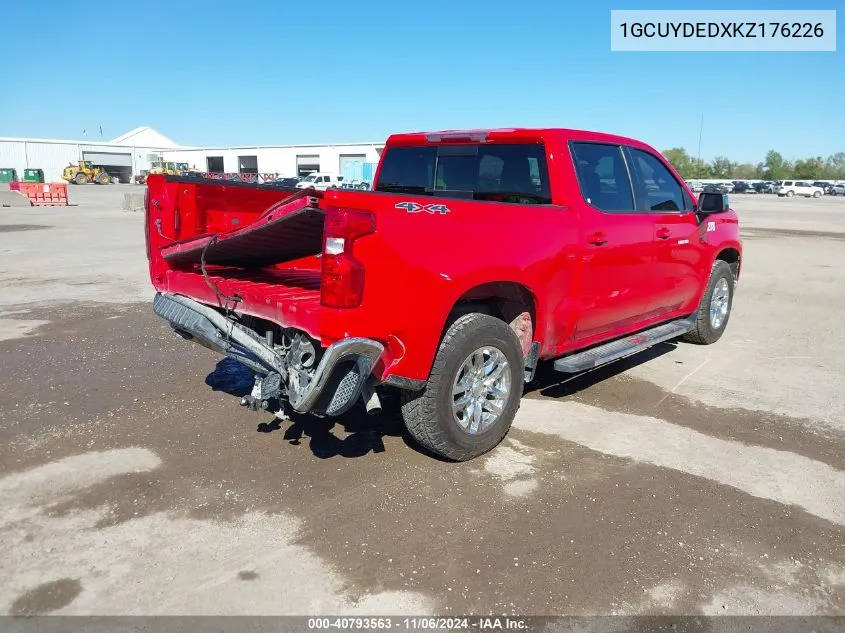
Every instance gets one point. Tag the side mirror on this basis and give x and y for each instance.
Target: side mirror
(713, 202)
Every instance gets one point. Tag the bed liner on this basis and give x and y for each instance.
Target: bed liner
(288, 230)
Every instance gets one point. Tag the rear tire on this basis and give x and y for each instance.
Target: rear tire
(714, 311)
(444, 417)
(80, 179)
(790, 193)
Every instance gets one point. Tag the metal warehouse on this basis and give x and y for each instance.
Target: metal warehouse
(354, 161)
(133, 153)
(128, 154)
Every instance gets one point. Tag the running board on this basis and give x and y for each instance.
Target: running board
(620, 348)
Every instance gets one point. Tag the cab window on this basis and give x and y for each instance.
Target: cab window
(493, 172)
(655, 188)
(603, 176)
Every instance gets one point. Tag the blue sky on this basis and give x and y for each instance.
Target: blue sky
(263, 73)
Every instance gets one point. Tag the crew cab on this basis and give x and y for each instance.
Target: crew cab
(476, 255)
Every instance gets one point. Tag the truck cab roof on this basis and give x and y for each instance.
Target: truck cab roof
(508, 135)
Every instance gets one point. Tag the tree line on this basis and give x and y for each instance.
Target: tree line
(774, 167)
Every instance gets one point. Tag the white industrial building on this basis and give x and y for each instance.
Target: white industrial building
(347, 159)
(132, 153)
(128, 154)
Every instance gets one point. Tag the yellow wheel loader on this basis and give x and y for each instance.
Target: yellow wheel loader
(84, 172)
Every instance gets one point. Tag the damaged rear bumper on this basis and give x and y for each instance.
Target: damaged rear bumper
(342, 373)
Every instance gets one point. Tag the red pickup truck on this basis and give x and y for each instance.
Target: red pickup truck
(477, 254)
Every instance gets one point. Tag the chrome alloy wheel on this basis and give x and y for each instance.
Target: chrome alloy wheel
(481, 389)
(719, 303)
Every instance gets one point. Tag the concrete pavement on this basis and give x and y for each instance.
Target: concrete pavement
(684, 480)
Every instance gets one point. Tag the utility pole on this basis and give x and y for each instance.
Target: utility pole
(700, 131)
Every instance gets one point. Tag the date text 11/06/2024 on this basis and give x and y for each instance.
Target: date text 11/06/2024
(419, 623)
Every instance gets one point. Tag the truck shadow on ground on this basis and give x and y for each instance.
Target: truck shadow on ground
(362, 433)
(356, 434)
(553, 384)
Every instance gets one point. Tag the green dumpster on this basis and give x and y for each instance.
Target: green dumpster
(8, 174)
(33, 175)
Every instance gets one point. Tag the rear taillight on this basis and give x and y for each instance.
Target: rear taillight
(342, 284)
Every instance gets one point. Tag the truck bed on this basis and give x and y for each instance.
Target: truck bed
(287, 235)
(288, 230)
(287, 297)
(259, 245)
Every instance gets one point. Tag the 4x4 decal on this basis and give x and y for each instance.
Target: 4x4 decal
(416, 207)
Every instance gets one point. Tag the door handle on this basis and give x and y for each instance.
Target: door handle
(598, 239)
(664, 234)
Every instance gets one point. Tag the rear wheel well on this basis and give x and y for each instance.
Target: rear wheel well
(511, 302)
(732, 258)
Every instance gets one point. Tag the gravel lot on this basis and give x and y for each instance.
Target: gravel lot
(685, 480)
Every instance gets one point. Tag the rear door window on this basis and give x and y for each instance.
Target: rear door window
(603, 176)
(493, 172)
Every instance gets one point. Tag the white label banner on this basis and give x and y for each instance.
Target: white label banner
(745, 30)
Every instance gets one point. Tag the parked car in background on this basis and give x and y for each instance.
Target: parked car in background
(290, 181)
(360, 185)
(717, 188)
(791, 188)
(838, 190)
(743, 187)
(823, 185)
(320, 181)
(764, 187)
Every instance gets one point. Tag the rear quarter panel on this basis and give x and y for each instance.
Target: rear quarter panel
(418, 265)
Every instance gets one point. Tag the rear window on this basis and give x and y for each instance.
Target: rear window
(495, 172)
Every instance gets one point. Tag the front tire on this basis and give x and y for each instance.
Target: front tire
(473, 391)
(816, 194)
(715, 307)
